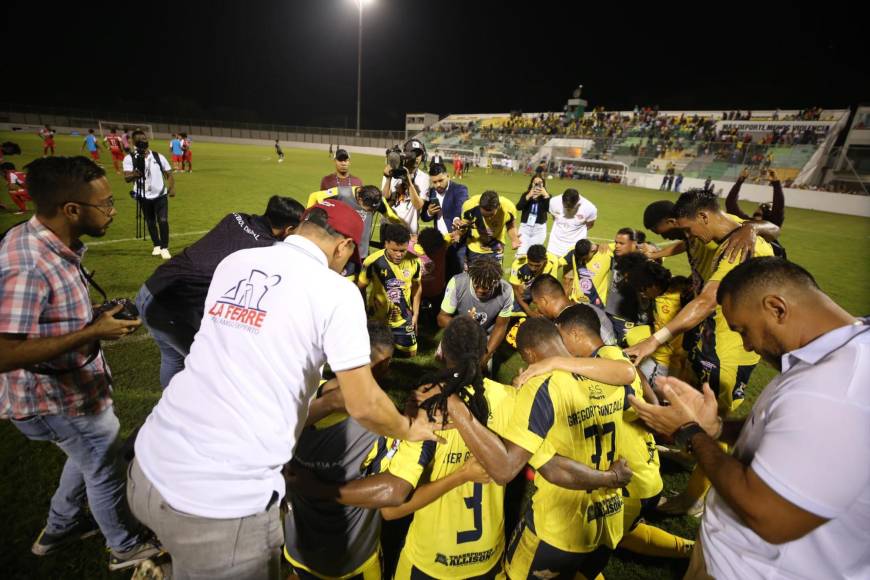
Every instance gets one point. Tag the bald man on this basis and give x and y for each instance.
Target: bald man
(792, 500)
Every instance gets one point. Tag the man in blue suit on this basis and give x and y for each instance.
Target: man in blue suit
(443, 205)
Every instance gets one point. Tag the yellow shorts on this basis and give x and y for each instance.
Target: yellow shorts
(530, 557)
(370, 570)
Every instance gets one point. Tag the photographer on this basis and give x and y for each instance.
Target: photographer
(55, 384)
(534, 205)
(153, 185)
(172, 300)
(406, 161)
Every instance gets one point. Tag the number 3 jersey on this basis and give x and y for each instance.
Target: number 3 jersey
(578, 419)
(461, 534)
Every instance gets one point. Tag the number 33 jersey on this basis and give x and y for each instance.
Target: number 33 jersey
(576, 418)
(461, 534)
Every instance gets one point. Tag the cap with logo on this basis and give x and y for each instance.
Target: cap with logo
(340, 217)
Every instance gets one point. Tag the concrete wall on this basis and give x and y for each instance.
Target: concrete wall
(842, 203)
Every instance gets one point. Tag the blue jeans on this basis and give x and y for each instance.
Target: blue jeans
(93, 469)
(172, 334)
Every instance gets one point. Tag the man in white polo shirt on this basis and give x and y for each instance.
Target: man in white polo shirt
(573, 217)
(793, 501)
(207, 474)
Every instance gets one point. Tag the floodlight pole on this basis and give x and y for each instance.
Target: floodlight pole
(359, 68)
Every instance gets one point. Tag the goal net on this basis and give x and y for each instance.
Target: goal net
(106, 127)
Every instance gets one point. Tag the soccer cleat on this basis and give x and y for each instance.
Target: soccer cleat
(47, 543)
(134, 556)
(155, 251)
(164, 253)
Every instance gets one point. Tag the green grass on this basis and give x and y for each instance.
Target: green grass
(241, 178)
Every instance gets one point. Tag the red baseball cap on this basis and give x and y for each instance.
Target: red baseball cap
(343, 219)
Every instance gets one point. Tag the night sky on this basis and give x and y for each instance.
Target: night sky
(295, 61)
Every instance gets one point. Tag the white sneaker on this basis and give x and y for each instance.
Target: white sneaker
(155, 251)
(164, 253)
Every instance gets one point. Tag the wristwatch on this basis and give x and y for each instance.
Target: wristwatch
(683, 436)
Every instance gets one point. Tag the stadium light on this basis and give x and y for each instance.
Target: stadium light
(360, 4)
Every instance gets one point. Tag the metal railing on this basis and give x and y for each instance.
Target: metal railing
(64, 117)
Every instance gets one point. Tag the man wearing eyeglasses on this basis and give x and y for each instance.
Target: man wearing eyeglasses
(54, 382)
(158, 186)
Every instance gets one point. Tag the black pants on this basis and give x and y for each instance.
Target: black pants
(156, 214)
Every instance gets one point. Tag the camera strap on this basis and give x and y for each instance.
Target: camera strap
(43, 370)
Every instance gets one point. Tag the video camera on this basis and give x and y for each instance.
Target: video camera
(400, 160)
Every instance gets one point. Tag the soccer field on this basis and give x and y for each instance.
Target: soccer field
(241, 178)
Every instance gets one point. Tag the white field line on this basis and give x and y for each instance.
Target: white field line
(106, 242)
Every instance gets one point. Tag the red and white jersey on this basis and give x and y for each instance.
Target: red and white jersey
(18, 178)
(185, 144)
(46, 134)
(113, 141)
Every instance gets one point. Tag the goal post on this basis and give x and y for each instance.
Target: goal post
(106, 127)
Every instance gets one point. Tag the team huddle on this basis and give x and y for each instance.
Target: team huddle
(569, 309)
(274, 439)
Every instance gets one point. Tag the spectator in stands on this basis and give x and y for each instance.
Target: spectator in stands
(535, 206)
(573, 217)
(172, 301)
(341, 178)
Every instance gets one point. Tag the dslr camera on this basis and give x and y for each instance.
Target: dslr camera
(128, 312)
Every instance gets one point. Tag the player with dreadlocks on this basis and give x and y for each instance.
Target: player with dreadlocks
(458, 526)
(482, 294)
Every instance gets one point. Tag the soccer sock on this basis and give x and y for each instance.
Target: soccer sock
(19, 201)
(655, 542)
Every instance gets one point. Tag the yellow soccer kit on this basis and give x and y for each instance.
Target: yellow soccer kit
(522, 275)
(461, 534)
(637, 445)
(717, 352)
(390, 295)
(495, 227)
(591, 281)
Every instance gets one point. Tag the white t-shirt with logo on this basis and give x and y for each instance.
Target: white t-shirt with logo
(216, 441)
(566, 232)
(154, 185)
(807, 439)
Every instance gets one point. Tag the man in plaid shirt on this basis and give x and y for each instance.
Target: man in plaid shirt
(54, 382)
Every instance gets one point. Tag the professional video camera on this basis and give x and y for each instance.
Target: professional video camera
(401, 160)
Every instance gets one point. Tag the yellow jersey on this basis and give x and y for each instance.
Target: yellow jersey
(715, 334)
(390, 295)
(591, 280)
(494, 227)
(560, 413)
(522, 275)
(665, 308)
(636, 443)
(461, 534)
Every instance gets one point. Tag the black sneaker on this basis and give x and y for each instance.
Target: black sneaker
(47, 543)
(134, 556)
